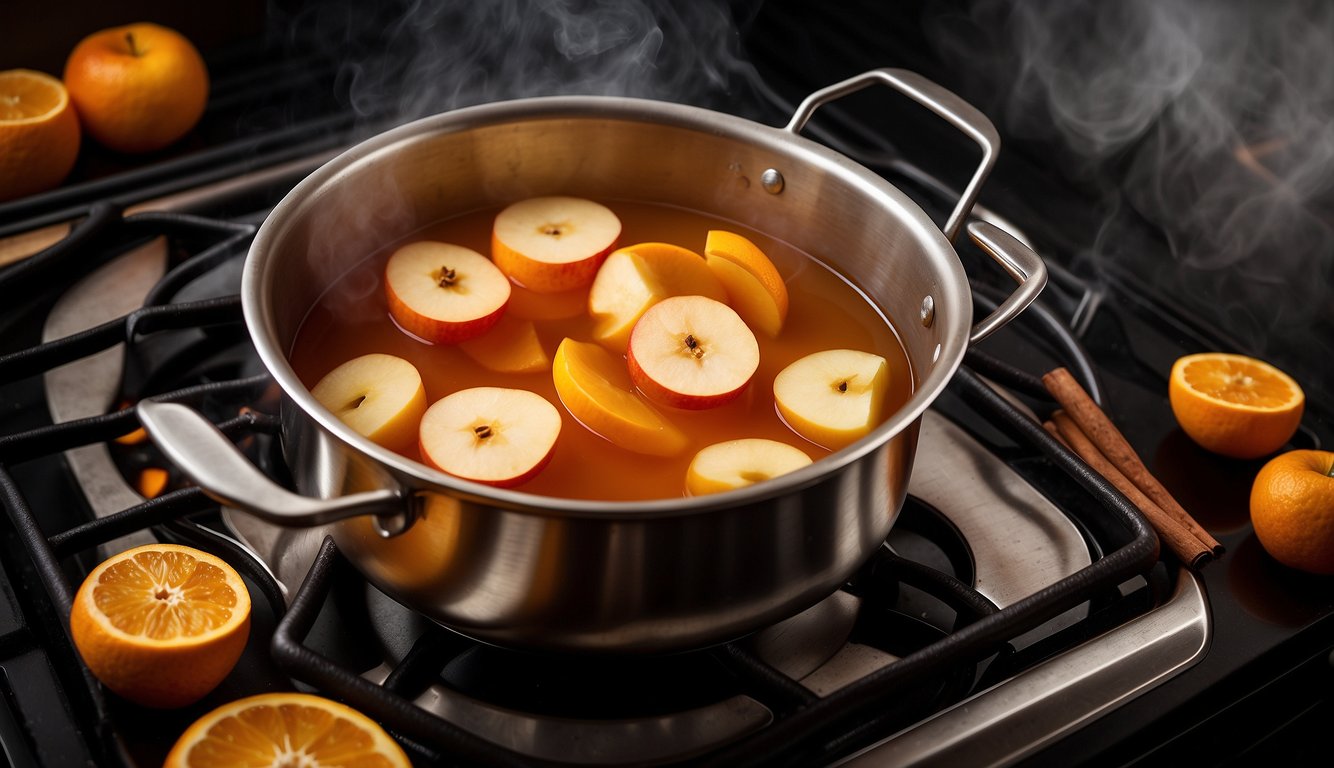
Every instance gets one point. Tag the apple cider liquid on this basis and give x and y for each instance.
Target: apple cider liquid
(825, 312)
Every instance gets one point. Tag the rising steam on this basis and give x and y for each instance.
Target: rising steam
(399, 60)
(1214, 121)
(410, 59)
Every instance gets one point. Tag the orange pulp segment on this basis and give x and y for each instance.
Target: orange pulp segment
(596, 389)
(755, 289)
(511, 346)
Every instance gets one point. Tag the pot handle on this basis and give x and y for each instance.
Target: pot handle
(224, 473)
(943, 102)
(1025, 266)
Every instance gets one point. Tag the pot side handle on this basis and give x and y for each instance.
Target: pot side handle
(224, 473)
(942, 101)
(1017, 259)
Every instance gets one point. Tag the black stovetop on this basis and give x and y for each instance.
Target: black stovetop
(1262, 689)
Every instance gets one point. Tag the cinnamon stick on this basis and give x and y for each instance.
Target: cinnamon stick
(1184, 544)
(1112, 444)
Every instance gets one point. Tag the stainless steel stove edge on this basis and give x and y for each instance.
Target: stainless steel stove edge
(1022, 715)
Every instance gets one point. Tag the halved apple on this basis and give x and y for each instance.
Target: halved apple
(736, 464)
(596, 390)
(636, 277)
(553, 244)
(834, 397)
(692, 352)
(493, 435)
(512, 346)
(379, 396)
(754, 287)
(444, 293)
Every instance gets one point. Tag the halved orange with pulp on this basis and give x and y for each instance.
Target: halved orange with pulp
(1235, 405)
(295, 729)
(161, 624)
(39, 133)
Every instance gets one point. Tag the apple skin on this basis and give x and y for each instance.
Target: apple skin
(517, 420)
(833, 398)
(444, 314)
(586, 232)
(734, 464)
(708, 375)
(378, 396)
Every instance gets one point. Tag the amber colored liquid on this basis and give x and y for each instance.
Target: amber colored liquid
(825, 312)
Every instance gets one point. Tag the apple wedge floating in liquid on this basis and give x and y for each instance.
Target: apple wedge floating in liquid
(833, 398)
(553, 244)
(492, 435)
(378, 396)
(512, 346)
(531, 305)
(734, 464)
(692, 352)
(596, 390)
(444, 293)
(755, 289)
(636, 277)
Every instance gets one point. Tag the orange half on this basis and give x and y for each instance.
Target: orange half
(161, 624)
(39, 133)
(1235, 405)
(295, 729)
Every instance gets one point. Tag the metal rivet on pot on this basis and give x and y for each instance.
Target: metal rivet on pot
(928, 311)
(772, 181)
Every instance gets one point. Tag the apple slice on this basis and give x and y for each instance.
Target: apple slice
(492, 435)
(510, 347)
(444, 293)
(596, 390)
(379, 396)
(833, 398)
(692, 352)
(754, 288)
(736, 464)
(636, 277)
(553, 244)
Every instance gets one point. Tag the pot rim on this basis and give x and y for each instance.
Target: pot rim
(953, 291)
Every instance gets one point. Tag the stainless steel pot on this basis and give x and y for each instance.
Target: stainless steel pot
(518, 569)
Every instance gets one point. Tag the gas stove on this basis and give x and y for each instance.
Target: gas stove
(976, 538)
(1016, 614)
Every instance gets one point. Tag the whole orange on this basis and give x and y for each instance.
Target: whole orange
(39, 133)
(1292, 509)
(137, 88)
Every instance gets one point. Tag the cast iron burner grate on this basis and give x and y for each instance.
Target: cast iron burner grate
(935, 666)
